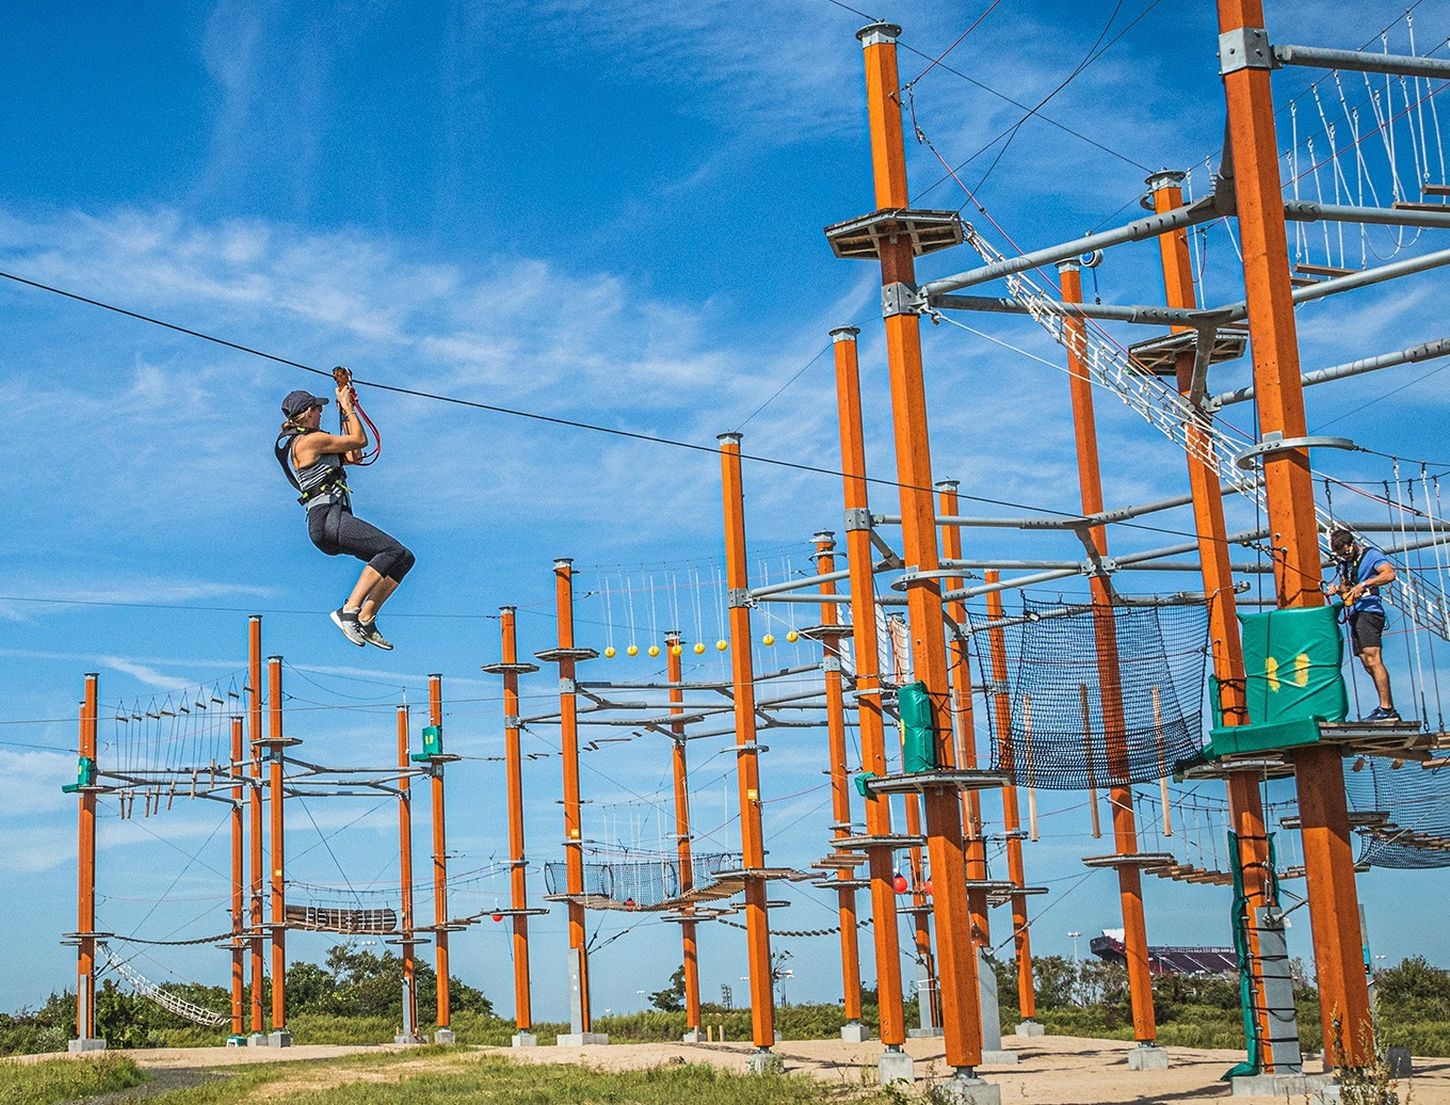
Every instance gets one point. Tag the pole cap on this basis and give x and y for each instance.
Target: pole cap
(948, 485)
(734, 437)
(507, 608)
(1071, 264)
(845, 333)
(1164, 178)
(875, 34)
(563, 561)
(825, 535)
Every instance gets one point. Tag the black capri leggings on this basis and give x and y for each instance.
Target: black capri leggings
(335, 530)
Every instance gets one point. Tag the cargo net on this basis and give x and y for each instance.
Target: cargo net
(1059, 737)
(646, 880)
(1404, 812)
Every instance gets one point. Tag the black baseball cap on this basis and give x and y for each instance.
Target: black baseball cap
(298, 401)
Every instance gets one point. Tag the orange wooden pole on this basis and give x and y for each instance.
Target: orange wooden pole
(1125, 828)
(964, 726)
(1002, 697)
(869, 717)
(1246, 808)
(674, 670)
(86, 868)
(405, 877)
(956, 958)
(440, 862)
(747, 763)
(920, 920)
(239, 907)
(254, 811)
(518, 865)
(277, 840)
(569, 755)
(840, 781)
(1323, 810)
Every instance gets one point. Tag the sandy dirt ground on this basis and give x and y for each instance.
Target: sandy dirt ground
(1053, 1070)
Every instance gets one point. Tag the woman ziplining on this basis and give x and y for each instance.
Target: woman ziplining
(313, 461)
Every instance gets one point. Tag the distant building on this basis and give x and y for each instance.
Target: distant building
(1167, 960)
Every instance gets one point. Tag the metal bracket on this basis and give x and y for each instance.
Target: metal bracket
(858, 518)
(831, 663)
(738, 597)
(901, 299)
(1102, 566)
(1276, 442)
(511, 721)
(1244, 48)
(567, 686)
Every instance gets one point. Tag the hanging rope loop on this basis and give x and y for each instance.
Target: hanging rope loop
(343, 376)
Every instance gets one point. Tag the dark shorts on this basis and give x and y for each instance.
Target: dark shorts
(1366, 630)
(336, 530)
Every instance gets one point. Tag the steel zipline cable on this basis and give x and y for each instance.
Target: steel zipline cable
(536, 416)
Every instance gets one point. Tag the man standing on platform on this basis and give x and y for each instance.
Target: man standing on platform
(1363, 570)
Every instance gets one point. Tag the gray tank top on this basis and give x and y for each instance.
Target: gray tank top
(324, 468)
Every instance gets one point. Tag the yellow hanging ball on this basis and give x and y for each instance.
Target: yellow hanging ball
(632, 650)
(768, 640)
(676, 649)
(721, 646)
(609, 653)
(699, 648)
(792, 636)
(654, 650)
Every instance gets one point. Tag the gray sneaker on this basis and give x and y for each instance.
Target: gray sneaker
(370, 634)
(346, 620)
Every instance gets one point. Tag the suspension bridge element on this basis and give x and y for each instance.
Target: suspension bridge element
(160, 995)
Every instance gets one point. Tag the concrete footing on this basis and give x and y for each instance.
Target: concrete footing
(1295, 1086)
(409, 1041)
(279, 1038)
(524, 1039)
(1147, 1057)
(1400, 1063)
(896, 1066)
(764, 1062)
(94, 1043)
(236, 1041)
(854, 1033)
(999, 1057)
(691, 1037)
(922, 1033)
(257, 1039)
(582, 1039)
(965, 1089)
(1031, 1028)
(445, 1037)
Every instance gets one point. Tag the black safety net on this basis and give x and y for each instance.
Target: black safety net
(1062, 736)
(1403, 811)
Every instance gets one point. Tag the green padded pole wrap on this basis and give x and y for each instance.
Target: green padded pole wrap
(918, 736)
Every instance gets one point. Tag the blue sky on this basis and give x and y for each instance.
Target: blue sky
(607, 211)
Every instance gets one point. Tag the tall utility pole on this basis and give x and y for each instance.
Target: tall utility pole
(1246, 807)
(85, 934)
(830, 633)
(510, 667)
(896, 1064)
(444, 1033)
(956, 958)
(1147, 1055)
(239, 899)
(409, 1035)
(689, 929)
(254, 825)
(1289, 489)
(747, 762)
(277, 743)
(567, 655)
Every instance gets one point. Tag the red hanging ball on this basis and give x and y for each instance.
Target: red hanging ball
(629, 903)
(926, 888)
(497, 917)
(899, 884)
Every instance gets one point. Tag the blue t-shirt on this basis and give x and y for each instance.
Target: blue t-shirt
(1351, 572)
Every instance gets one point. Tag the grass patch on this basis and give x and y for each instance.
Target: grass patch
(486, 1080)
(65, 1079)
